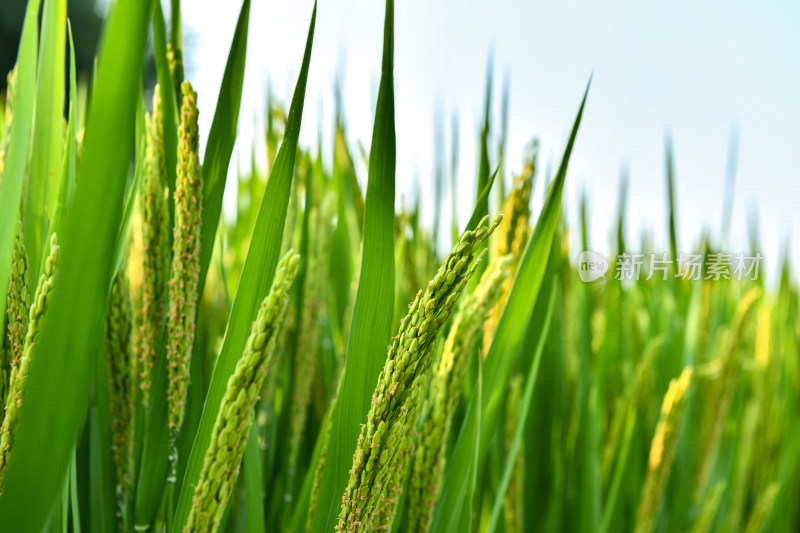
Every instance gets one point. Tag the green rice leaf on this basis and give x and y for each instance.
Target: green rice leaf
(102, 482)
(525, 288)
(153, 463)
(372, 313)
(482, 205)
(18, 150)
(454, 508)
(175, 33)
(302, 510)
(257, 273)
(483, 165)
(670, 171)
(47, 131)
(73, 496)
(66, 183)
(63, 357)
(253, 483)
(221, 137)
(535, 337)
(510, 329)
(168, 102)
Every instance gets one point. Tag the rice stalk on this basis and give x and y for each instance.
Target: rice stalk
(721, 393)
(155, 244)
(185, 260)
(514, 504)
(705, 520)
(19, 374)
(662, 451)
(231, 428)
(318, 472)
(175, 60)
(763, 508)
(326, 437)
(742, 472)
(634, 392)
(121, 362)
(512, 234)
(445, 393)
(308, 342)
(18, 302)
(392, 414)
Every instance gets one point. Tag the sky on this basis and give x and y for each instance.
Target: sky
(703, 73)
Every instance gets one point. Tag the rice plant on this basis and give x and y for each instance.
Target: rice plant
(316, 364)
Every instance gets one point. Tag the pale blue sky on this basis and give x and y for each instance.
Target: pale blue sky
(695, 69)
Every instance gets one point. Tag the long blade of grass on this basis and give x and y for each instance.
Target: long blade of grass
(153, 463)
(252, 482)
(483, 165)
(175, 33)
(256, 278)
(66, 183)
(454, 179)
(221, 137)
(127, 215)
(535, 336)
(301, 510)
(482, 205)
(130, 203)
(454, 509)
(168, 102)
(47, 130)
(372, 313)
(670, 171)
(176, 46)
(67, 343)
(102, 481)
(510, 329)
(73, 495)
(17, 155)
(619, 472)
(525, 288)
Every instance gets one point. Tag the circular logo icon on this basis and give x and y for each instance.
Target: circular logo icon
(592, 266)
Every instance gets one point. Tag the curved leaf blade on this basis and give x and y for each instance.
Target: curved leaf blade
(68, 340)
(372, 312)
(257, 274)
(19, 147)
(534, 336)
(510, 329)
(47, 131)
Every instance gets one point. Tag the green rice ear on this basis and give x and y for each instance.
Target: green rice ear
(18, 300)
(380, 455)
(119, 354)
(445, 392)
(315, 283)
(155, 244)
(662, 451)
(19, 374)
(232, 426)
(185, 260)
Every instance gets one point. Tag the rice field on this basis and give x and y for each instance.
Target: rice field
(318, 364)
